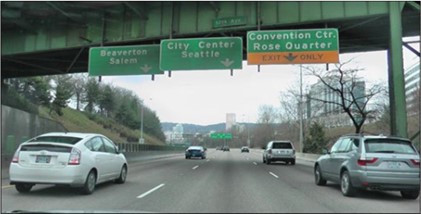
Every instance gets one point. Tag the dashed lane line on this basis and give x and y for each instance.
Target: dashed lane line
(151, 191)
(273, 175)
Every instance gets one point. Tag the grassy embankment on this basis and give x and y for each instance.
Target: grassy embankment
(76, 121)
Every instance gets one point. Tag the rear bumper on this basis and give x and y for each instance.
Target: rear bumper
(289, 158)
(195, 155)
(69, 175)
(360, 179)
(279, 157)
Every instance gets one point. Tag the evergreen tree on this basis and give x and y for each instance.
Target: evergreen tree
(315, 140)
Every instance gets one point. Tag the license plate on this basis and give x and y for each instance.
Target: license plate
(42, 159)
(393, 165)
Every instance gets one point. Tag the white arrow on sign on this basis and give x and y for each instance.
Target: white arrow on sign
(145, 68)
(227, 62)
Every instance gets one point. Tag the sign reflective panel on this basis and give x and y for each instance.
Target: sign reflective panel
(124, 60)
(201, 54)
(293, 46)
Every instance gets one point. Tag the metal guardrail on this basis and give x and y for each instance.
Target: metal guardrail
(133, 147)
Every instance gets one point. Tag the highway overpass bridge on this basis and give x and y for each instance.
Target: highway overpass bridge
(47, 38)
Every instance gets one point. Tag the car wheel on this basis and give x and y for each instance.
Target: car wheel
(268, 161)
(23, 188)
(346, 185)
(292, 162)
(410, 194)
(318, 177)
(264, 161)
(89, 186)
(123, 175)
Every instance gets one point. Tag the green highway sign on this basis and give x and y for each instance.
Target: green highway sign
(293, 46)
(124, 60)
(221, 135)
(229, 21)
(201, 54)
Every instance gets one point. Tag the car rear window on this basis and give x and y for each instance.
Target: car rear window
(57, 139)
(389, 146)
(282, 145)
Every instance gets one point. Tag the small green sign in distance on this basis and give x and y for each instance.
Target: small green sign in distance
(201, 54)
(124, 60)
(229, 21)
(221, 135)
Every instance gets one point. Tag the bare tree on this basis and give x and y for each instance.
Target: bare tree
(79, 84)
(349, 91)
(265, 129)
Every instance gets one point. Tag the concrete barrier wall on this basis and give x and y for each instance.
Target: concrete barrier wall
(307, 156)
(19, 126)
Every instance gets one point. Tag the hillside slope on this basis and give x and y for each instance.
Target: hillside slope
(76, 121)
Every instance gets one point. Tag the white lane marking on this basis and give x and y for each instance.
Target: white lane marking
(8, 186)
(273, 174)
(195, 167)
(207, 160)
(255, 163)
(150, 191)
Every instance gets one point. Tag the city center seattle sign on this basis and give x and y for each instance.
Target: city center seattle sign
(202, 53)
(293, 46)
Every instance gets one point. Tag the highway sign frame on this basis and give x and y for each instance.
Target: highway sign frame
(124, 60)
(301, 46)
(201, 53)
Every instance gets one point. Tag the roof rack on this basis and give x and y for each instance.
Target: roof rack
(354, 134)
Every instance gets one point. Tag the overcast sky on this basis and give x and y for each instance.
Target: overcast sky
(204, 97)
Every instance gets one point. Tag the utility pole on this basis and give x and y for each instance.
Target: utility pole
(141, 140)
(300, 108)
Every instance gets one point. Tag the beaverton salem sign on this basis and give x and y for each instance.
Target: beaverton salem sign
(203, 53)
(124, 60)
(293, 46)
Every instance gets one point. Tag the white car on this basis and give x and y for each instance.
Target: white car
(75, 159)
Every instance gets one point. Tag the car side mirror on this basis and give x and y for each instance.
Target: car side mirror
(325, 151)
(118, 150)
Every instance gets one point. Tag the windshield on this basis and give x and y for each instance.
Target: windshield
(209, 106)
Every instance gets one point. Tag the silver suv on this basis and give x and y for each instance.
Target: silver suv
(372, 163)
(279, 151)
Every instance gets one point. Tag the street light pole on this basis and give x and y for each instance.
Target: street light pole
(141, 140)
(300, 110)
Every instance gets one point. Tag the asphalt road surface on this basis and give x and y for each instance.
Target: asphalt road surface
(225, 182)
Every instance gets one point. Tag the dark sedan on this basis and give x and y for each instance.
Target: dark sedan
(245, 149)
(195, 151)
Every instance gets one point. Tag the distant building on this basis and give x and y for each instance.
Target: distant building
(177, 134)
(321, 102)
(412, 84)
(230, 121)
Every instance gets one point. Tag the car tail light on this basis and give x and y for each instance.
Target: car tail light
(415, 162)
(74, 157)
(16, 157)
(270, 151)
(362, 162)
(293, 152)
